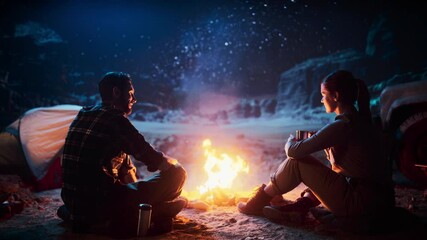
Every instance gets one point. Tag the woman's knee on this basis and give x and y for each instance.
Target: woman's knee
(288, 173)
(307, 159)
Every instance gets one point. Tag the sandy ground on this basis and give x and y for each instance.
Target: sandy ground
(263, 152)
(39, 221)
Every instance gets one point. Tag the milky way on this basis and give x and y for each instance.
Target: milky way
(232, 47)
(243, 46)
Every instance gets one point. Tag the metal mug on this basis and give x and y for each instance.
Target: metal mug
(303, 134)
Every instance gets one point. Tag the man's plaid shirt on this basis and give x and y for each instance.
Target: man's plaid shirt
(98, 143)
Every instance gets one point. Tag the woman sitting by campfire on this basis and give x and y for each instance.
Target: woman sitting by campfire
(358, 186)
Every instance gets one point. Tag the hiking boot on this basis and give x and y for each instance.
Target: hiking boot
(322, 215)
(294, 212)
(168, 209)
(4, 197)
(160, 225)
(255, 203)
(5, 210)
(63, 213)
(163, 214)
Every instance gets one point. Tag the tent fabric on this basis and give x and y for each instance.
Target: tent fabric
(42, 133)
(52, 179)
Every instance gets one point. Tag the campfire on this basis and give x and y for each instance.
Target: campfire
(221, 170)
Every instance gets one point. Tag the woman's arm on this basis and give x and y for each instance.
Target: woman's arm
(332, 134)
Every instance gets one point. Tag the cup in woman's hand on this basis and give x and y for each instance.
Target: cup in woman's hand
(303, 134)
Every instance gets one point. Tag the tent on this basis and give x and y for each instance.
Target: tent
(41, 133)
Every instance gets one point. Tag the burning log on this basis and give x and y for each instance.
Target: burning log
(199, 205)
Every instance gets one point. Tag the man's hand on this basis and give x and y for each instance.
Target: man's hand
(127, 172)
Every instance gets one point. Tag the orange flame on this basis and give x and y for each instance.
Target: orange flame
(220, 168)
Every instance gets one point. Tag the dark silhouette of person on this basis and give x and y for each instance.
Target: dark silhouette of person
(100, 190)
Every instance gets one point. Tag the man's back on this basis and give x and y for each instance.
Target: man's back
(89, 143)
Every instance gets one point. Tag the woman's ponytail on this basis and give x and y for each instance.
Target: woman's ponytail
(363, 100)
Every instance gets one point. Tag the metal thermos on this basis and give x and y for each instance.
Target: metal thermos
(144, 219)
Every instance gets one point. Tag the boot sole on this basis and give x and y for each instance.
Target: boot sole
(322, 215)
(278, 216)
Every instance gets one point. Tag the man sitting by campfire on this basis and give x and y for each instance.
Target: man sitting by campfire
(100, 190)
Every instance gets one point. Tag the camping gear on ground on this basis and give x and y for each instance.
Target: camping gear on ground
(41, 133)
(144, 219)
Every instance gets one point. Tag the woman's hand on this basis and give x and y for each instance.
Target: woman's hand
(291, 140)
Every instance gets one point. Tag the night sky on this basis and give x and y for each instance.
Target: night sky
(231, 47)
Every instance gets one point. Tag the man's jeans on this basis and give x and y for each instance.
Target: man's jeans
(160, 188)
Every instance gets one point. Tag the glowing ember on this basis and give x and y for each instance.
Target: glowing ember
(221, 169)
